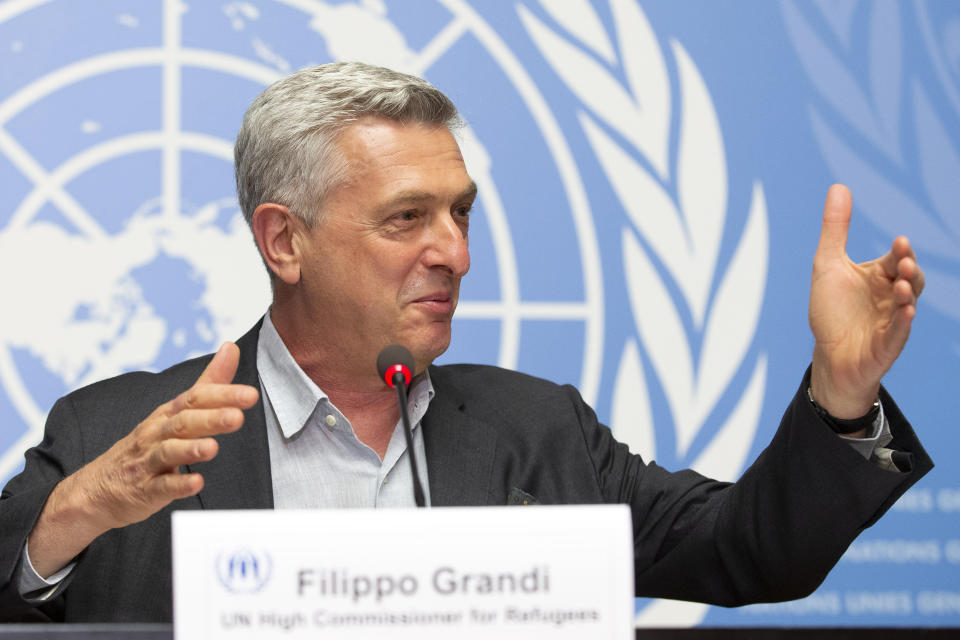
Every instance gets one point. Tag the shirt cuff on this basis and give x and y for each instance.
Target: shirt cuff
(34, 588)
(879, 435)
(874, 447)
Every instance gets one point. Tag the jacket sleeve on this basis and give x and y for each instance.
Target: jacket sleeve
(59, 454)
(775, 533)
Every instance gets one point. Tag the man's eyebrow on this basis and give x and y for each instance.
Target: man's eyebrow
(404, 197)
(470, 192)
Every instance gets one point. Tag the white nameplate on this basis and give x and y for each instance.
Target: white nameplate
(486, 572)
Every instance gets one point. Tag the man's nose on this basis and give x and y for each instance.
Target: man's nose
(449, 247)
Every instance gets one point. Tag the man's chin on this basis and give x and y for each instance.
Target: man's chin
(424, 353)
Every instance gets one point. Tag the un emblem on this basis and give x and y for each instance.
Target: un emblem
(243, 570)
(117, 160)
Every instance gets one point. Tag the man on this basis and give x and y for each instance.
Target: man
(359, 201)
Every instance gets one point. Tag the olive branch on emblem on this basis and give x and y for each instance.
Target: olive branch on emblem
(677, 216)
(676, 212)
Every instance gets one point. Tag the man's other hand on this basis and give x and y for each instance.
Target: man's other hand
(860, 314)
(140, 474)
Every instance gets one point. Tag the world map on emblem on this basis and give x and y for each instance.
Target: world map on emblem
(124, 132)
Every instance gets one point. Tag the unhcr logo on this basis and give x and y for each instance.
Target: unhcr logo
(243, 570)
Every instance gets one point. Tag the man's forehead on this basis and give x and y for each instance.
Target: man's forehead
(373, 148)
(378, 133)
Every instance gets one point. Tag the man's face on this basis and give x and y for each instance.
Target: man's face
(384, 263)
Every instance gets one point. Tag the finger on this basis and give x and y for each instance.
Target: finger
(212, 396)
(220, 370)
(899, 330)
(836, 222)
(223, 366)
(908, 271)
(201, 423)
(901, 246)
(899, 250)
(173, 453)
(903, 293)
(901, 264)
(890, 264)
(917, 281)
(173, 486)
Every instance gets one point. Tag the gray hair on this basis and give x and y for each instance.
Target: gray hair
(286, 149)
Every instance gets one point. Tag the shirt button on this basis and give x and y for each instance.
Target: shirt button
(331, 420)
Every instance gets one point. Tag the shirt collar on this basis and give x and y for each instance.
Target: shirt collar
(294, 396)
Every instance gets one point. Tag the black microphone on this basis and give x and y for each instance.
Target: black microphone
(395, 366)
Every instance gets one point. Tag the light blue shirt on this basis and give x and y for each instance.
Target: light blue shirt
(316, 459)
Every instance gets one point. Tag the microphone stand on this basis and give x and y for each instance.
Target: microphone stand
(400, 384)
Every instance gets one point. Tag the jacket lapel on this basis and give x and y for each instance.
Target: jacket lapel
(239, 476)
(460, 450)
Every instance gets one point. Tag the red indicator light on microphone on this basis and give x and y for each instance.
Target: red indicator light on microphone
(393, 360)
(392, 370)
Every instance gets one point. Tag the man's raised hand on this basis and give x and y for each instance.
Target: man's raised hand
(140, 474)
(860, 314)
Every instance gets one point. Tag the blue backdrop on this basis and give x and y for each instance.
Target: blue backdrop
(651, 180)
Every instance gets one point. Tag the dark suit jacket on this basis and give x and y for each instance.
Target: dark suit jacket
(772, 535)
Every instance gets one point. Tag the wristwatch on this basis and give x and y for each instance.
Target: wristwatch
(847, 426)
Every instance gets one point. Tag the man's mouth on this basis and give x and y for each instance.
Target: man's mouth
(437, 302)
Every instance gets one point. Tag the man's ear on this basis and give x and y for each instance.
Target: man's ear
(274, 228)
